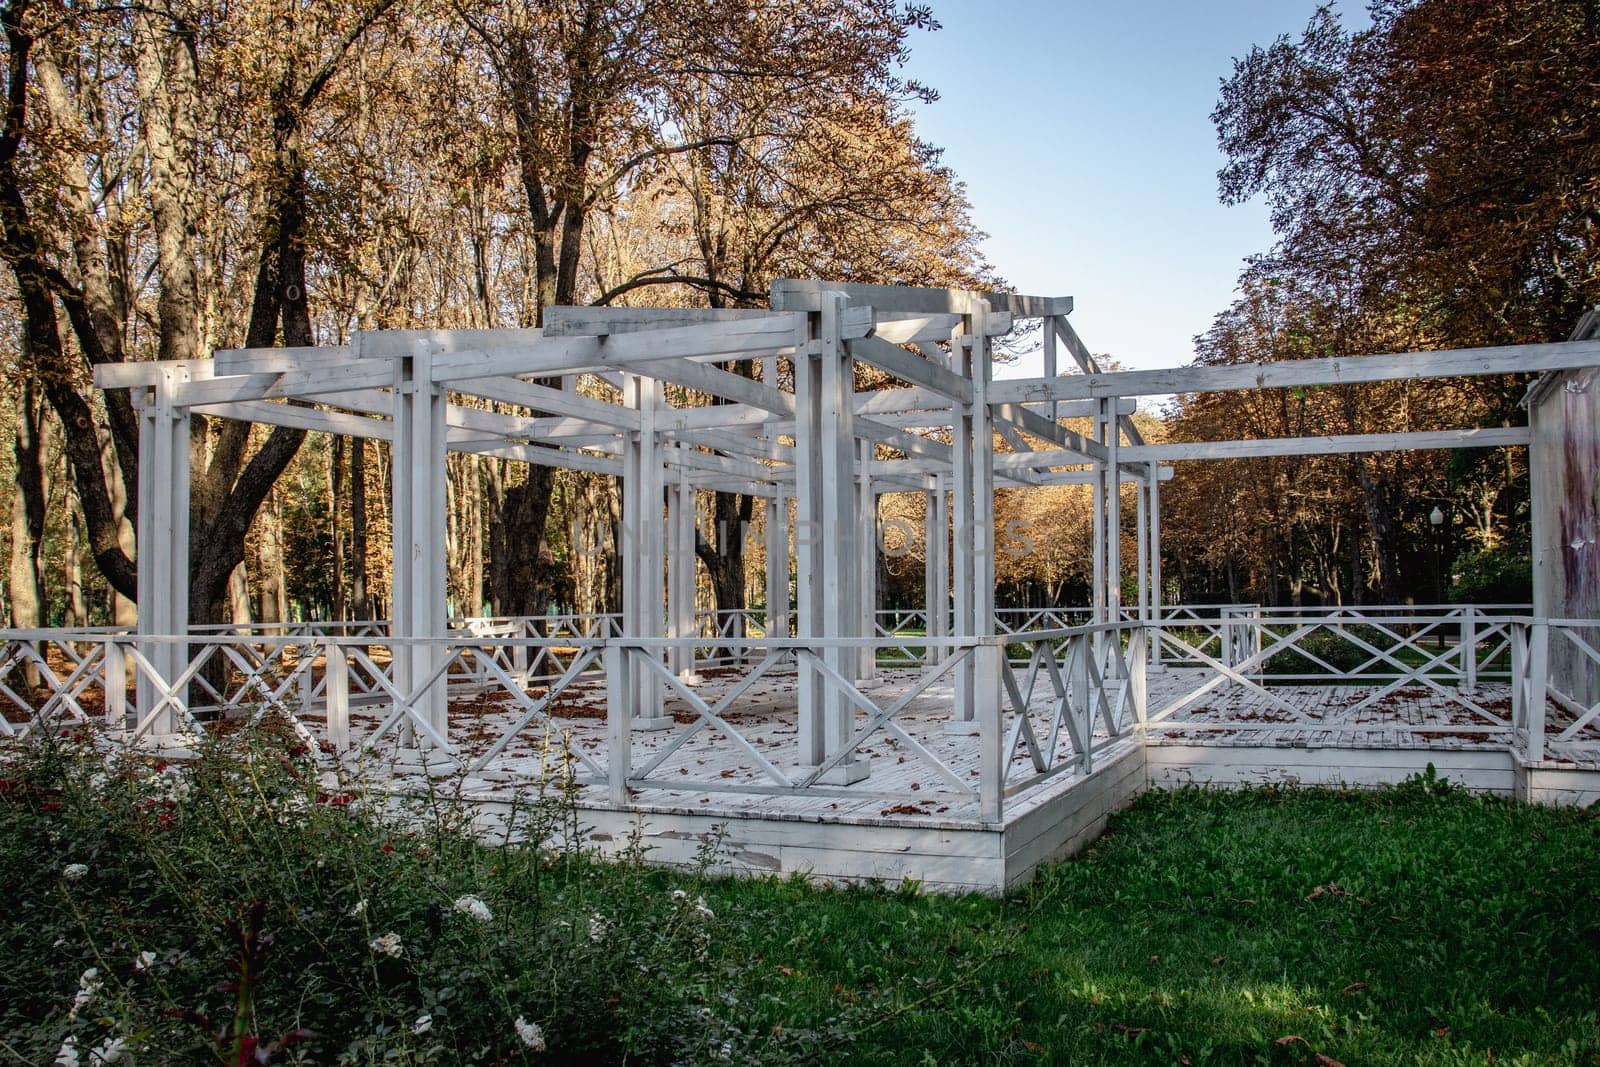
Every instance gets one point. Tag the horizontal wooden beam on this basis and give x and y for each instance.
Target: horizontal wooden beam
(463, 354)
(1336, 444)
(299, 384)
(797, 294)
(566, 321)
(296, 417)
(1340, 370)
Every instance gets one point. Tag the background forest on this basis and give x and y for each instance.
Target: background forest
(180, 177)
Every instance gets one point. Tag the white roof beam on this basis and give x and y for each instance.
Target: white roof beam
(1338, 370)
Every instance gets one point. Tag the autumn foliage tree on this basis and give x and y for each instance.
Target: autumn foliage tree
(1434, 182)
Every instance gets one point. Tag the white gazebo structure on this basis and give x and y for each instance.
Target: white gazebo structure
(982, 748)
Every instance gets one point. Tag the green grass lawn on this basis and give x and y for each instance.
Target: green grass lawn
(1417, 925)
(1254, 927)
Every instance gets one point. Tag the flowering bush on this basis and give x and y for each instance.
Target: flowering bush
(242, 909)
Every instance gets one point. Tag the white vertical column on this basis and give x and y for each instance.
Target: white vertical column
(964, 528)
(1155, 564)
(777, 547)
(418, 537)
(867, 539)
(163, 542)
(936, 564)
(1097, 591)
(1113, 521)
(1141, 567)
(642, 543)
(841, 568)
(981, 370)
(808, 547)
(681, 573)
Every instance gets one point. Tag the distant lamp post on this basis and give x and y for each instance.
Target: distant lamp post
(1436, 520)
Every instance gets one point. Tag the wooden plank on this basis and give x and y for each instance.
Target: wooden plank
(229, 361)
(1054, 432)
(1061, 329)
(491, 353)
(563, 320)
(1488, 437)
(1339, 370)
(300, 418)
(543, 398)
(301, 384)
(794, 294)
(552, 457)
(912, 368)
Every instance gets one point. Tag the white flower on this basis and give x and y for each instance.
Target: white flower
(532, 1034)
(73, 871)
(68, 1056)
(88, 986)
(475, 907)
(700, 906)
(359, 909)
(423, 1024)
(111, 1050)
(679, 896)
(388, 944)
(597, 927)
(143, 961)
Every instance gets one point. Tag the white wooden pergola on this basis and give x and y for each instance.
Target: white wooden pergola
(807, 438)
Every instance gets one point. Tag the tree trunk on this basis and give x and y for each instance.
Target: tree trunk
(77, 605)
(520, 578)
(359, 601)
(29, 603)
(336, 495)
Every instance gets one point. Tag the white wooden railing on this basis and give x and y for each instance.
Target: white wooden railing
(1045, 702)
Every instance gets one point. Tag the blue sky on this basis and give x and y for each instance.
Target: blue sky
(1082, 131)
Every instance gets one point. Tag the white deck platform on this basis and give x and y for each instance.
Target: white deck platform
(904, 823)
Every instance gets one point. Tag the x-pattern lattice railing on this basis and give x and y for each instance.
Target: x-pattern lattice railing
(61, 696)
(1382, 666)
(1094, 680)
(761, 774)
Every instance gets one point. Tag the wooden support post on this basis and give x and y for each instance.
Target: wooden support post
(964, 529)
(619, 722)
(1517, 634)
(867, 539)
(1103, 479)
(1154, 486)
(114, 665)
(808, 533)
(681, 574)
(1050, 359)
(643, 542)
(336, 695)
(777, 546)
(418, 540)
(163, 540)
(990, 712)
(841, 567)
(1113, 542)
(981, 370)
(1469, 647)
(1538, 667)
(936, 573)
(1138, 691)
(1141, 566)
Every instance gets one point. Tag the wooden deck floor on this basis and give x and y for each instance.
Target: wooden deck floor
(710, 772)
